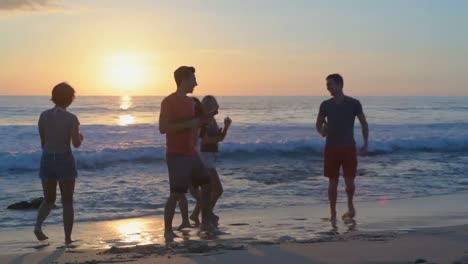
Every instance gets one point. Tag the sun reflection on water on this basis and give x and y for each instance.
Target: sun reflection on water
(125, 102)
(125, 120)
(136, 232)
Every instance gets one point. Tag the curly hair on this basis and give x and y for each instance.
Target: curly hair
(63, 94)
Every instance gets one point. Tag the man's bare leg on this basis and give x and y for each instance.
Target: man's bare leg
(350, 189)
(332, 196)
(195, 192)
(169, 211)
(183, 206)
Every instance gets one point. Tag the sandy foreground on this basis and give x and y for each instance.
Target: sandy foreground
(420, 230)
(437, 245)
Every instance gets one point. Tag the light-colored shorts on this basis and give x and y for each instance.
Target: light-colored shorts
(210, 159)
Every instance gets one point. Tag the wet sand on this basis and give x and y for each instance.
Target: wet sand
(433, 245)
(385, 231)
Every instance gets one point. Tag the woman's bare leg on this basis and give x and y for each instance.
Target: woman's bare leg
(217, 191)
(67, 188)
(49, 189)
(216, 187)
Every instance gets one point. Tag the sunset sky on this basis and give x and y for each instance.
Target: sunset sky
(109, 47)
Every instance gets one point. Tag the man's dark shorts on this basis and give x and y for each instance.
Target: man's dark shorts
(336, 157)
(185, 171)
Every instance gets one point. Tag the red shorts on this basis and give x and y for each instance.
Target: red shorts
(336, 157)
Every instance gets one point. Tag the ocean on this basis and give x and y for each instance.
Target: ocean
(272, 156)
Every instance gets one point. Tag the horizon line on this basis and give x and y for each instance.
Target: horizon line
(357, 95)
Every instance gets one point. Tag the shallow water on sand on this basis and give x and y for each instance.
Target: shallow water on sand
(304, 224)
(271, 158)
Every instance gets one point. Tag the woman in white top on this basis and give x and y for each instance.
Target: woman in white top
(210, 137)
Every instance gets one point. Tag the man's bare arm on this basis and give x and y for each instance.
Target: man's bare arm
(319, 125)
(365, 128)
(365, 133)
(41, 135)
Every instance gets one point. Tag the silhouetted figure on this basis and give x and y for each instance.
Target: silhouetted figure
(211, 135)
(177, 120)
(57, 129)
(335, 121)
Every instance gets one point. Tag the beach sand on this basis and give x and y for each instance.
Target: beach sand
(386, 231)
(435, 245)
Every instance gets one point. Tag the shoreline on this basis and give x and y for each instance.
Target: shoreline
(291, 227)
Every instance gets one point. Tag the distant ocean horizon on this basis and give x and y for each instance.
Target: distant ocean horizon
(271, 157)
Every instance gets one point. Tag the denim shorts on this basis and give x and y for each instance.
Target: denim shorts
(57, 166)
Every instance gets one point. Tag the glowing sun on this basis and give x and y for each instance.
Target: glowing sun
(126, 71)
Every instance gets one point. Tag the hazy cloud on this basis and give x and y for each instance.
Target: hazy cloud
(29, 5)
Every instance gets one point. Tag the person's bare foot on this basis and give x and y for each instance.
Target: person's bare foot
(208, 227)
(169, 234)
(184, 225)
(40, 235)
(350, 214)
(68, 241)
(194, 218)
(333, 216)
(215, 220)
